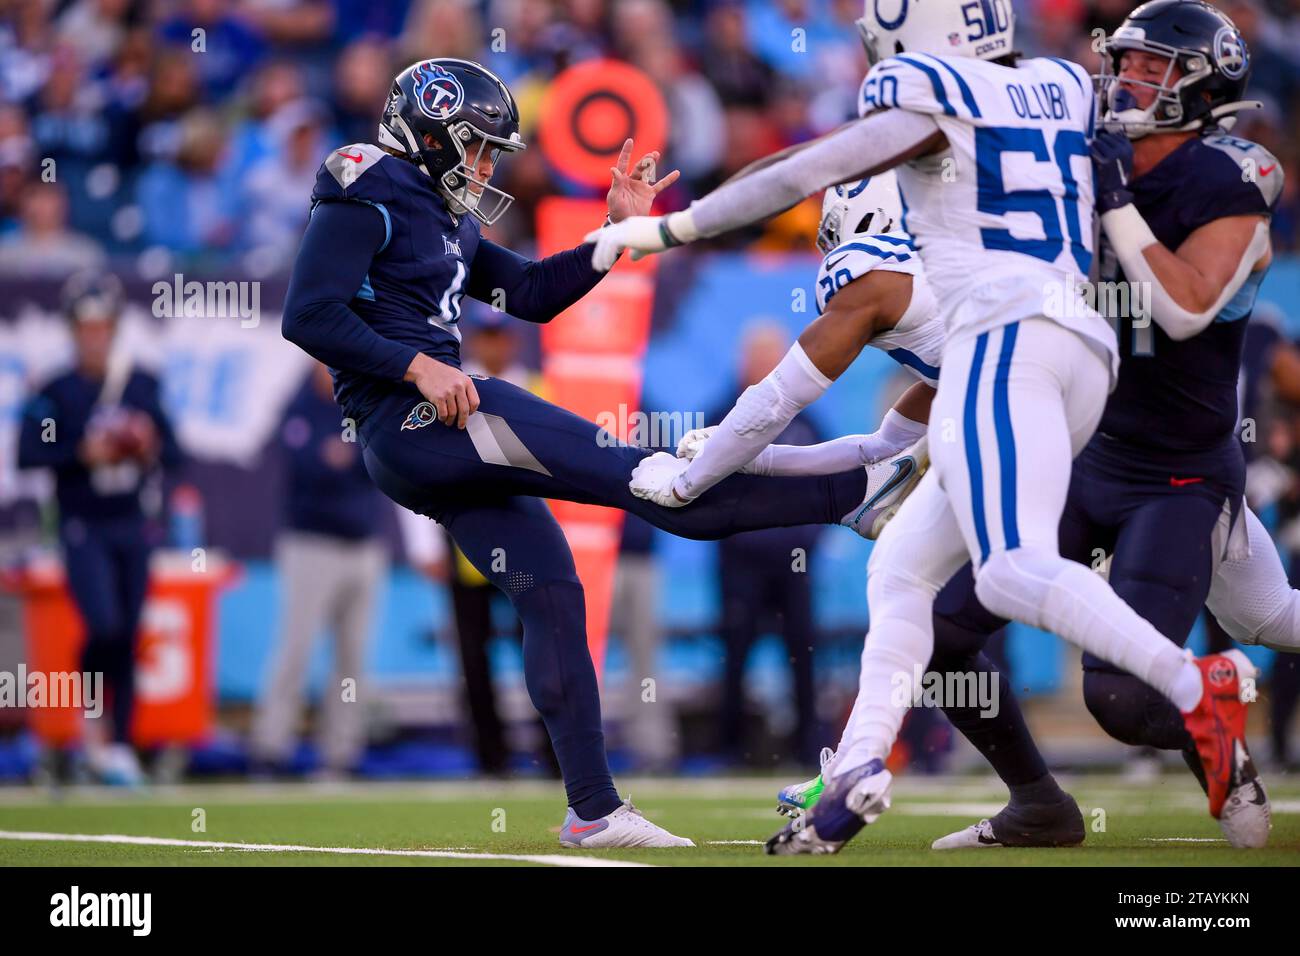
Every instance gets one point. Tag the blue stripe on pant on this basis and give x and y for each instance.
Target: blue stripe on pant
(1006, 441)
(971, 436)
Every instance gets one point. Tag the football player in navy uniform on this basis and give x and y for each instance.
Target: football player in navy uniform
(1185, 211)
(392, 246)
(101, 430)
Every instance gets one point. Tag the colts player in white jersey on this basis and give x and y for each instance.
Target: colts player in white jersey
(992, 156)
(870, 291)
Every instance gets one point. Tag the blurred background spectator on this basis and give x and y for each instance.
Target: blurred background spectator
(331, 566)
(763, 581)
(100, 427)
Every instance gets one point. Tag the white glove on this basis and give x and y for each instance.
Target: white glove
(642, 234)
(692, 442)
(653, 479)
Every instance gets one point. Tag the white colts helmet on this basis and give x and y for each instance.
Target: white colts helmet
(983, 29)
(868, 207)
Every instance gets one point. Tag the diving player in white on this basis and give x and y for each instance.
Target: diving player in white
(993, 164)
(869, 292)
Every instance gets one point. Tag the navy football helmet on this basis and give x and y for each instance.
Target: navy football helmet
(1209, 53)
(442, 114)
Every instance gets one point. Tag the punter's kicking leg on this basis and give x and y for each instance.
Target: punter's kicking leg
(518, 444)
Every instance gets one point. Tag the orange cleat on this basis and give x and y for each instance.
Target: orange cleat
(1218, 724)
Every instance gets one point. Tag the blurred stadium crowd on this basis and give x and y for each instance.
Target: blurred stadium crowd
(158, 136)
(184, 160)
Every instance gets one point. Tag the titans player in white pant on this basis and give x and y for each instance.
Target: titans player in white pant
(992, 156)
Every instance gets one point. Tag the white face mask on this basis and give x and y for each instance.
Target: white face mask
(461, 186)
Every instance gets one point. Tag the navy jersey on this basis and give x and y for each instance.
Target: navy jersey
(384, 266)
(63, 411)
(1182, 396)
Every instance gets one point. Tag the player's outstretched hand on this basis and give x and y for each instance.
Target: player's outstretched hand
(632, 194)
(449, 390)
(653, 479)
(692, 442)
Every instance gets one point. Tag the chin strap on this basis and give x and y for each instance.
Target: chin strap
(1224, 111)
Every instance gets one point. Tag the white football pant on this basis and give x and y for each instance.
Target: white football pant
(1015, 405)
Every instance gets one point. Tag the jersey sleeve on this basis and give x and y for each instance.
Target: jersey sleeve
(918, 83)
(1238, 178)
(890, 252)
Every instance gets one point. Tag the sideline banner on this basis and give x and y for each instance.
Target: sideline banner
(592, 353)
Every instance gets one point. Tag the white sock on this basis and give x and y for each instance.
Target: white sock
(1188, 687)
(897, 649)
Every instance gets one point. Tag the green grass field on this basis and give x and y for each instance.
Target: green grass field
(1163, 823)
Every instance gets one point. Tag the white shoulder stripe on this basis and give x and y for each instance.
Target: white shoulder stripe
(347, 164)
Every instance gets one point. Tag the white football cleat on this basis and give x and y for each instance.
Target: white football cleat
(115, 765)
(625, 827)
(1247, 816)
(850, 802)
(889, 482)
(798, 798)
(978, 835)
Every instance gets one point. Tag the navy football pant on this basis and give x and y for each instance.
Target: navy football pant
(107, 566)
(1160, 534)
(484, 484)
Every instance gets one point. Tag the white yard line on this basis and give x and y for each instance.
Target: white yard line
(118, 838)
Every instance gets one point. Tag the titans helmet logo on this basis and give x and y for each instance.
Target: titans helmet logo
(437, 91)
(1230, 53)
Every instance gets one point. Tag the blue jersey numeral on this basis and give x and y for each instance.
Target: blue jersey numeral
(990, 144)
(833, 284)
